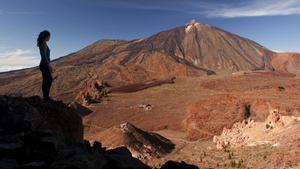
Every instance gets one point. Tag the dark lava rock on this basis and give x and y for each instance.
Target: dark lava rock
(177, 165)
(39, 135)
(49, 135)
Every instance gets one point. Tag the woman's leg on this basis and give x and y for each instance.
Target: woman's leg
(47, 81)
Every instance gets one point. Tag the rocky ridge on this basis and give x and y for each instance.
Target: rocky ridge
(49, 135)
(275, 130)
(142, 144)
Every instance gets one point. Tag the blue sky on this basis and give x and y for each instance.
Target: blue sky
(75, 24)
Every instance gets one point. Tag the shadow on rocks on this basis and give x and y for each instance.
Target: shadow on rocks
(177, 165)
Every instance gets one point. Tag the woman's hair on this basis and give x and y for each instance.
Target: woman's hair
(42, 37)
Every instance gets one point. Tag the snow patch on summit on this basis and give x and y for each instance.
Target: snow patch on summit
(191, 24)
(188, 28)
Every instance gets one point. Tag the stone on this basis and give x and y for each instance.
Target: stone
(178, 165)
(8, 163)
(80, 109)
(92, 93)
(39, 135)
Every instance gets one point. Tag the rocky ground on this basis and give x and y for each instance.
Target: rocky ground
(49, 135)
(193, 110)
(245, 120)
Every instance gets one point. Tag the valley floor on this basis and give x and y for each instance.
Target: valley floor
(168, 107)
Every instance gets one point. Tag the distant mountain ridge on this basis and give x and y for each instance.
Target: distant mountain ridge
(195, 49)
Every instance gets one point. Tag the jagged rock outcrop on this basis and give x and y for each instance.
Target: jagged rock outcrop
(80, 109)
(142, 144)
(49, 135)
(92, 93)
(276, 129)
(274, 120)
(95, 157)
(230, 142)
(52, 119)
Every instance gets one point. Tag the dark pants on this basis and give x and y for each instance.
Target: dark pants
(47, 80)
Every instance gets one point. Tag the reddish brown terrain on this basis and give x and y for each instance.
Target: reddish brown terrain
(225, 88)
(195, 49)
(286, 62)
(190, 112)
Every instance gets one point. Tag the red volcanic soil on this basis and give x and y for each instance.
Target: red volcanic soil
(141, 86)
(207, 117)
(193, 109)
(172, 103)
(168, 104)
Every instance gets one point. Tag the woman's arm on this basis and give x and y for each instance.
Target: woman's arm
(43, 49)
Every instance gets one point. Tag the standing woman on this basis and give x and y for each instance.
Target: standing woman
(45, 66)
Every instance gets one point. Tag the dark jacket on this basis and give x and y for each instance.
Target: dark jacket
(45, 54)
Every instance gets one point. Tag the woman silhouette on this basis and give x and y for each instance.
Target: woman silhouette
(45, 66)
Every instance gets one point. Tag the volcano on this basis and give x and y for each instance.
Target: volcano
(195, 49)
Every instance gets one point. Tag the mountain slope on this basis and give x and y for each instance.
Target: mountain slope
(205, 47)
(288, 63)
(195, 49)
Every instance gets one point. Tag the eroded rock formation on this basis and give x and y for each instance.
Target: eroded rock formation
(92, 93)
(276, 129)
(142, 144)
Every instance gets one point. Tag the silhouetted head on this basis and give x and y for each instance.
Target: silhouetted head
(44, 36)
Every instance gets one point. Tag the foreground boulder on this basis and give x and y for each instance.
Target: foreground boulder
(177, 165)
(33, 116)
(89, 156)
(35, 134)
(49, 135)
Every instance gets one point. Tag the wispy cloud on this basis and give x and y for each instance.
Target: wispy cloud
(217, 8)
(253, 8)
(153, 5)
(4, 12)
(17, 59)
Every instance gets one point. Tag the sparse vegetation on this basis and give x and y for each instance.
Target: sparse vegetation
(240, 163)
(229, 156)
(233, 163)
